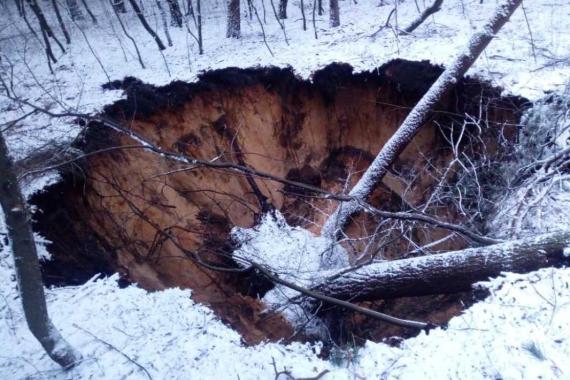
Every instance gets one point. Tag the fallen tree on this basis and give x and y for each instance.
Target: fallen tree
(449, 272)
(418, 116)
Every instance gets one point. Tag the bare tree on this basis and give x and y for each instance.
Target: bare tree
(44, 26)
(234, 20)
(283, 9)
(93, 18)
(434, 8)
(175, 13)
(164, 23)
(20, 7)
(27, 266)
(145, 24)
(128, 35)
(199, 25)
(60, 21)
(334, 13)
(119, 6)
(74, 10)
(419, 115)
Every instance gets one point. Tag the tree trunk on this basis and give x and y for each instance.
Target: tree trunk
(20, 7)
(27, 266)
(146, 25)
(435, 7)
(449, 272)
(283, 9)
(74, 10)
(419, 115)
(61, 23)
(234, 27)
(164, 22)
(334, 13)
(199, 17)
(43, 22)
(175, 13)
(93, 18)
(119, 6)
(190, 10)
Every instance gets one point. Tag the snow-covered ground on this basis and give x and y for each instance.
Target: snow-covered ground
(520, 332)
(525, 58)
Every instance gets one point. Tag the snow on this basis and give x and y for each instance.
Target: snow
(293, 253)
(520, 331)
(78, 76)
(542, 201)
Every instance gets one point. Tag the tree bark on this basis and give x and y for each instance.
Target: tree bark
(334, 13)
(449, 272)
(435, 7)
(199, 22)
(60, 21)
(93, 18)
(146, 25)
(119, 6)
(175, 13)
(74, 10)
(27, 266)
(20, 7)
(43, 22)
(419, 115)
(234, 27)
(164, 23)
(283, 9)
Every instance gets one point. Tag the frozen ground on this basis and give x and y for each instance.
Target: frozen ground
(520, 332)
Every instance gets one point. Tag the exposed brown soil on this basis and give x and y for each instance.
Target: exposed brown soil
(108, 215)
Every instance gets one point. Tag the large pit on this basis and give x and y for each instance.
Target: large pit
(111, 210)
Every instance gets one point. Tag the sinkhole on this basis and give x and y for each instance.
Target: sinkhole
(146, 216)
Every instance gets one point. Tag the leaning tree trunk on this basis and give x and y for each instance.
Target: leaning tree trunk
(145, 24)
(234, 27)
(27, 266)
(435, 7)
(60, 21)
(419, 115)
(449, 272)
(334, 13)
(44, 26)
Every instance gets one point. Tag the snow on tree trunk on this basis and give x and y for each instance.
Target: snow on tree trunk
(27, 266)
(419, 115)
(449, 272)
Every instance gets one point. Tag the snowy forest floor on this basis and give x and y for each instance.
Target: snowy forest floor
(520, 331)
